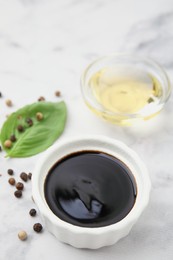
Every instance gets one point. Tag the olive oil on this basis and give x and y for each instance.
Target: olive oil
(124, 91)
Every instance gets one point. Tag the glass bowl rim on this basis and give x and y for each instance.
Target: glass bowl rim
(146, 60)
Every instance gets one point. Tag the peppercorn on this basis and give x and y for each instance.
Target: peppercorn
(41, 99)
(9, 103)
(29, 175)
(20, 128)
(39, 116)
(8, 144)
(57, 93)
(12, 181)
(32, 212)
(18, 193)
(13, 138)
(0, 94)
(22, 235)
(24, 176)
(19, 186)
(29, 121)
(0, 148)
(37, 227)
(10, 171)
(19, 117)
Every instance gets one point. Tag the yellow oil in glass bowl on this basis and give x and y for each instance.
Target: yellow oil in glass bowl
(124, 93)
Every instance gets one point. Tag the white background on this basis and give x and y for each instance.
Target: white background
(45, 46)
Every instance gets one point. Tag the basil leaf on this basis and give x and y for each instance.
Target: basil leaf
(40, 135)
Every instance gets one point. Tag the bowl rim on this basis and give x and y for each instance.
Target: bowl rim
(46, 212)
(146, 60)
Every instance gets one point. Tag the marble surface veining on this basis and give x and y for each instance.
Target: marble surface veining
(44, 46)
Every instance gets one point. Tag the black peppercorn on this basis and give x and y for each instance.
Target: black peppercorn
(37, 227)
(24, 176)
(0, 94)
(32, 212)
(29, 121)
(57, 93)
(18, 193)
(20, 128)
(0, 148)
(19, 186)
(29, 175)
(12, 181)
(41, 99)
(10, 171)
(13, 138)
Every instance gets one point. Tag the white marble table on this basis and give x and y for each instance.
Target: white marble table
(44, 46)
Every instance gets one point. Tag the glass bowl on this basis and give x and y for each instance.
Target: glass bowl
(125, 89)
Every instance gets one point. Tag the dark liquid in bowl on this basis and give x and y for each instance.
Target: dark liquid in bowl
(90, 189)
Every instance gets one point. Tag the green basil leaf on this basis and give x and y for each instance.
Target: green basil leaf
(40, 135)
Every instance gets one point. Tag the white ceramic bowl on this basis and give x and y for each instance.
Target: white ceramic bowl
(82, 237)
